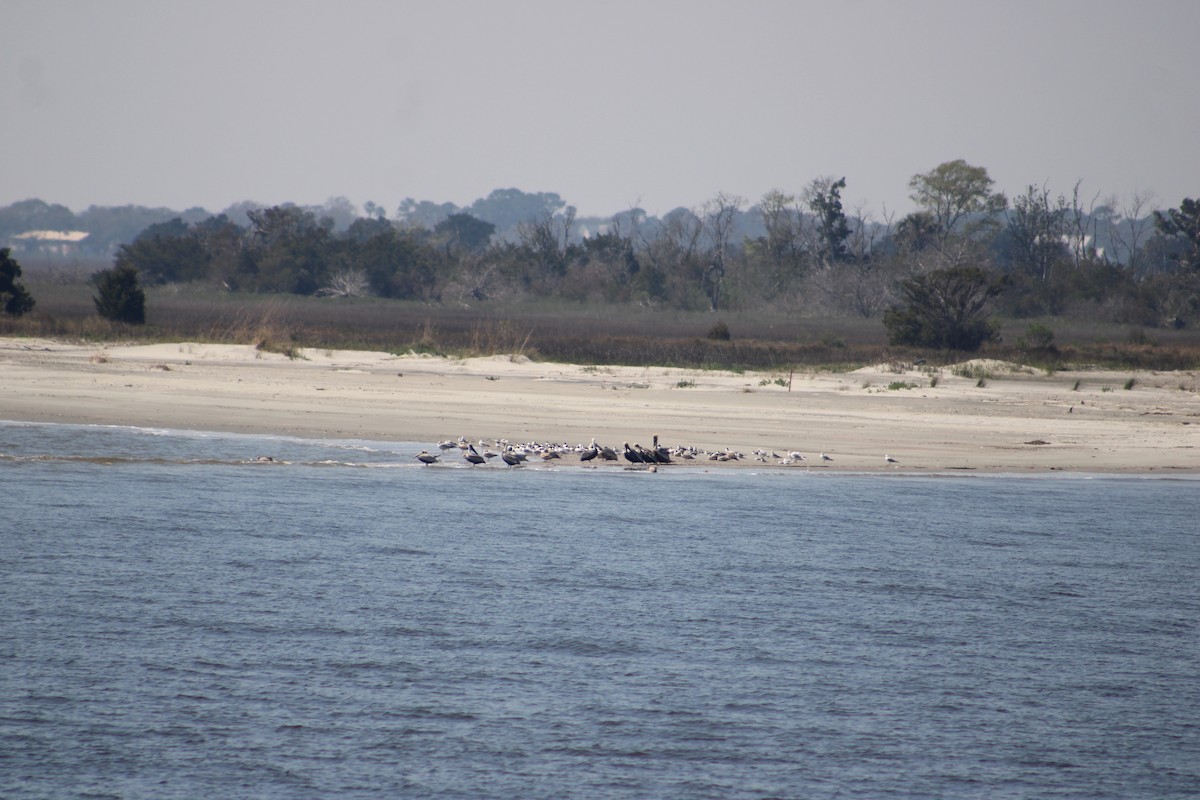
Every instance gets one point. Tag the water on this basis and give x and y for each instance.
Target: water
(178, 622)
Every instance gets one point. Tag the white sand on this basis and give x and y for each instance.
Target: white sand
(853, 417)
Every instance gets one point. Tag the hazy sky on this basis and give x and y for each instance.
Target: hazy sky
(610, 104)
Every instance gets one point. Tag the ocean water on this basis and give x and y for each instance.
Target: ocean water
(178, 621)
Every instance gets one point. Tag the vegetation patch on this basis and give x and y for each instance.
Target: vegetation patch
(719, 332)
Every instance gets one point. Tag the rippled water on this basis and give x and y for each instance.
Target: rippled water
(176, 622)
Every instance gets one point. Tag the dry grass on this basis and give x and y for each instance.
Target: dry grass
(593, 335)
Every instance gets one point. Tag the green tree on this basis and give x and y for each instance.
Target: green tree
(1183, 225)
(824, 198)
(397, 264)
(917, 232)
(289, 250)
(945, 309)
(119, 297)
(507, 208)
(464, 233)
(15, 297)
(953, 190)
(165, 252)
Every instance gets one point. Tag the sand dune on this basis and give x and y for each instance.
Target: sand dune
(1021, 420)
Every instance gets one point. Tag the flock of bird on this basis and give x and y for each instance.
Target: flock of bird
(514, 455)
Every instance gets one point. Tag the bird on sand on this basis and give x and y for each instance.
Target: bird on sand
(826, 458)
(889, 459)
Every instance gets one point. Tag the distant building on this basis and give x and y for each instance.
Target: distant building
(59, 243)
(1081, 247)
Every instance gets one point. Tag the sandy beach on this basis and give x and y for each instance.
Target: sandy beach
(1020, 420)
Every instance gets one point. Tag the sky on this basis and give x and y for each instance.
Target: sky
(650, 103)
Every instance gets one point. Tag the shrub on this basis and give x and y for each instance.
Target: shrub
(945, 309)
(120, 297)
(720, 331)
(14, 298)
(1036, 337)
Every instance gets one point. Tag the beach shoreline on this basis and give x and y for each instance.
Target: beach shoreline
(980, 417)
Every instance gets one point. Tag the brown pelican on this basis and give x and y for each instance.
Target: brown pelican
(512, 457)
(660, 454)
(425, 457)
(633, 456)
(471, 455)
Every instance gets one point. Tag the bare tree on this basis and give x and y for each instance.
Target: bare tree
(863, 233)
(718, 217)
(479, 278)
(782, 251)
(783, 222)
(671, 250)
(1082, 227)
(346, 283)
(547, 237)
(1130, 225)
(1037, 227)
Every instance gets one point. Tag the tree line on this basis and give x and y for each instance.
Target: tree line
(1037, 254)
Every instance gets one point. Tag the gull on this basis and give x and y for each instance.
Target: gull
(826, 458)
(889, 459)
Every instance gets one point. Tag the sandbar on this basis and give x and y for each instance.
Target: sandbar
(1016, 419)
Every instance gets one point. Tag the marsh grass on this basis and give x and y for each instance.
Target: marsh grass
(973, 372)
(557, 331)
